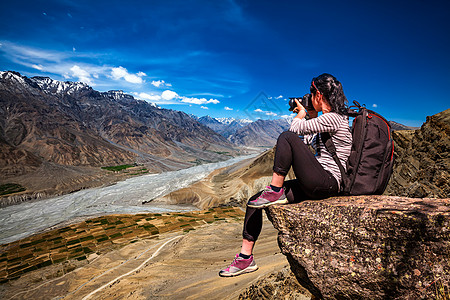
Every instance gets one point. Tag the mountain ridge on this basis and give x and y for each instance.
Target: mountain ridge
(244, 132)
(45, 121)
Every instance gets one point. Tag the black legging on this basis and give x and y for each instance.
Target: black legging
(312, 180)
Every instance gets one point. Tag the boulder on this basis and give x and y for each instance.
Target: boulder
(367, 247)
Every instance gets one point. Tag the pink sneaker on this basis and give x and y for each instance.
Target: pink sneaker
(268, 197)
(239, 266)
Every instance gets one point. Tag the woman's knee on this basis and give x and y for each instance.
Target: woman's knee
(286, 135)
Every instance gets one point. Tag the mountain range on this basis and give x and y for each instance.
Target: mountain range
(49, 124)
(244, 132)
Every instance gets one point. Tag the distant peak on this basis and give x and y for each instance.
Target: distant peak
(10, 74)
(226, 120)
(52, 86)
(118, 95)
(14, 76)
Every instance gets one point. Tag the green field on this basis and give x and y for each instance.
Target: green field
(10, 188)
(117, 168)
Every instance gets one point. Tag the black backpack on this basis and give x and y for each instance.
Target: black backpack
(371, 159)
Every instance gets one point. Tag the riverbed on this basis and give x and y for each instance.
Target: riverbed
(125, 197)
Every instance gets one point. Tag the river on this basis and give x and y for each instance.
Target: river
(125, 197)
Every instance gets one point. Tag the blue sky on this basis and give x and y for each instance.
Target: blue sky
(236, 58)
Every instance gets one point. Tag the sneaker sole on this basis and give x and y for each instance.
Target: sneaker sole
(284, 201)
(246, 270)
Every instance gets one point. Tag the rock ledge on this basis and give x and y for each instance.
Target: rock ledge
(367, 247)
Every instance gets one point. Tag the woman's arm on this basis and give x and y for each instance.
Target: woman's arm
(328, 122)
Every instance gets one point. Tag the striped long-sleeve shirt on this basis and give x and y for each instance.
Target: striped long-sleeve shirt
(338, 127)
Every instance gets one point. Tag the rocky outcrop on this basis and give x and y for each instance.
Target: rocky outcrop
(422, 160)
(367, 247)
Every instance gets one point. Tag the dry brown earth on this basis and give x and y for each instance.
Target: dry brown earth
(229, 186)
(179, 266)
(51, 179)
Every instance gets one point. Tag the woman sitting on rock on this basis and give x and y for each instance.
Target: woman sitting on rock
(317, 176)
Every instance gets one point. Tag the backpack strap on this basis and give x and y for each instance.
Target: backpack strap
(326, 139)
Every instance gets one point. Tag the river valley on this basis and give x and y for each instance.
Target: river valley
(125, 197)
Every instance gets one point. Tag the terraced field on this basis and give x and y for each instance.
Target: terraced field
(98, 235)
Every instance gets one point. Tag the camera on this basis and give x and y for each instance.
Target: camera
(305, 101)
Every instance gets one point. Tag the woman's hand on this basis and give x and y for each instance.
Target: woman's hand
(299, 110)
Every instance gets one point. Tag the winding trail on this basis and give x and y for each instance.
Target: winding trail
(132, 271)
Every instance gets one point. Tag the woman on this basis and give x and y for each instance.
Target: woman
(317, 176)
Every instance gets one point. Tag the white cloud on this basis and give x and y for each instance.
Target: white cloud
(26, 55)
(228, 108)
(267, 113)
(199, 101)
(145, 96)
(38, 67)
(375, 105)
(160, 83)
(67, 64)
(169, 95)
(121, 72)
(279, 97)
(193, 100)
(81, 74)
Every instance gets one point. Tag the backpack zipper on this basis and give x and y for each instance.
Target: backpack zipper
(389, 131)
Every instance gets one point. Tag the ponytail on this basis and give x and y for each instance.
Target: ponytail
(332, 90)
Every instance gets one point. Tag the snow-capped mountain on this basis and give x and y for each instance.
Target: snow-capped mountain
(69, 123)
(259, 133)
(246, 132)
(51, 86)
(225, 120)
(228, 121)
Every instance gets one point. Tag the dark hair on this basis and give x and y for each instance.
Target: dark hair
(331, 88)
